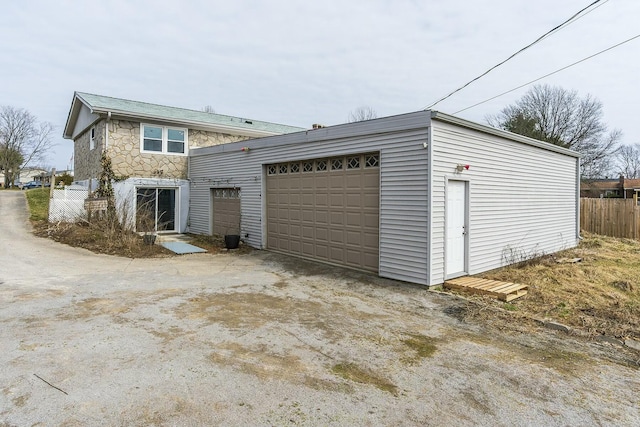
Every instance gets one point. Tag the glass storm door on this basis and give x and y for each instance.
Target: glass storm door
(155, 209)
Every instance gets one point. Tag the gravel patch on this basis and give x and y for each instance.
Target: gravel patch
(263, 339)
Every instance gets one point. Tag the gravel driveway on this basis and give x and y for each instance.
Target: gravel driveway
(263, 339)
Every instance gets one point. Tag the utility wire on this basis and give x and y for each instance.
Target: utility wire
(550, 74)
(574, 17)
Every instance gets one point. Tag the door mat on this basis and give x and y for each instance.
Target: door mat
(182, 248)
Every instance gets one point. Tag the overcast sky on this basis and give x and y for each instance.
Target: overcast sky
(304, 62)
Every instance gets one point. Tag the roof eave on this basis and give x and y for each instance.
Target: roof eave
(186, 123)
(72, 117)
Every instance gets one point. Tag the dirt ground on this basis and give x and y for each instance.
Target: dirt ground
(262, 339)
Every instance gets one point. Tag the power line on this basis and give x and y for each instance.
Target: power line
(557, 28)
(550, 74)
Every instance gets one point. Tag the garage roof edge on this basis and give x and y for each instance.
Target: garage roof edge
(447, 118)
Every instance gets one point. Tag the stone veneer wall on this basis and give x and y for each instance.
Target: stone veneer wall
(127, 160)
(86, 162)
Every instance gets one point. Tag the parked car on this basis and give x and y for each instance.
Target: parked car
(31, 184)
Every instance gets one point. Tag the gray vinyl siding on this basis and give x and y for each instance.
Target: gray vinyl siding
(84, 120)
(522, 199)
(403, 182)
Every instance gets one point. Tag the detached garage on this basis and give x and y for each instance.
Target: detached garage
(420, 197)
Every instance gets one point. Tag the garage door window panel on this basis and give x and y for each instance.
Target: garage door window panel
(353, 162)
(372, 161)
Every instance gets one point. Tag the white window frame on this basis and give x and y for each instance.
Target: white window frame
(92, 138)
(165, 140)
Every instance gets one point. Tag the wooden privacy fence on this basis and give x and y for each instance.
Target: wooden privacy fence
(610, 217)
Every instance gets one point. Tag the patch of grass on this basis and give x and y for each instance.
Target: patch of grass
(599, 295)
(422, 345)
(510, 307)
(352, 372)
(562, 310)
(38, 200)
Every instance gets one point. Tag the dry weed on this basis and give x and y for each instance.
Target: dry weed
(599, 295)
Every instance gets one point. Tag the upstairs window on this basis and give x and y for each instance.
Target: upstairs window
(152, 140)
(175, 140)
(92, 138)
(163, 140)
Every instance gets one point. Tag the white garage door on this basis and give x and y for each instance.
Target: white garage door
(326, 209)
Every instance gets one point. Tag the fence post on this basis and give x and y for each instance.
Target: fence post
(52, 183)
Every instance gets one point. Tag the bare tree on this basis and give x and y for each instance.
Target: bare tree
(208, 109)
(23, 140)
(561, 117)
(628, 161)
(361, 114)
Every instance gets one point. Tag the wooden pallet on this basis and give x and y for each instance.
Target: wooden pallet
(504, 291)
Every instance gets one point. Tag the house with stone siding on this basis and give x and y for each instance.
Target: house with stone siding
(148, 145)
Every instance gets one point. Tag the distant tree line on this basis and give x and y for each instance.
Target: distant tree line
(563, 118)
(23, 141)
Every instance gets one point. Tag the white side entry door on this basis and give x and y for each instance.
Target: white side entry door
(456, 215)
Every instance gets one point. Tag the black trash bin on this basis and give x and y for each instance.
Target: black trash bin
(232, 241)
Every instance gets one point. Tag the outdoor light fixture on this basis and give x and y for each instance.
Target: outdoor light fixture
(245, 149)
(460, 168)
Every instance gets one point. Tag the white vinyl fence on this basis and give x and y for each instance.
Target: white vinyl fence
(67, 204)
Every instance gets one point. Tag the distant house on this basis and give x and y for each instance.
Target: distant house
(45, 177)
(599, 188)
(32, 174)
(149, 145)
(618, 188)
(25, 175)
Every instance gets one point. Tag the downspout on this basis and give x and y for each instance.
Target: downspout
(578, 236)
(106, 131)
(188, 221)
(429, 200)
(106, 134)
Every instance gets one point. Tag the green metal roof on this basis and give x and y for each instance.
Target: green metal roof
(125, 107)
